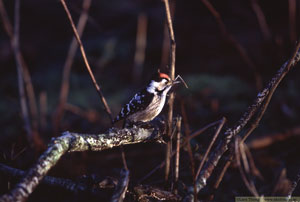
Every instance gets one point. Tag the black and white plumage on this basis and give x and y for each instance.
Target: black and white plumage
(149, 102)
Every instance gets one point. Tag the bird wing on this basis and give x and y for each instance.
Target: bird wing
(139, 102)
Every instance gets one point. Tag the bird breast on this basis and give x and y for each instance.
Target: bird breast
(151, 111)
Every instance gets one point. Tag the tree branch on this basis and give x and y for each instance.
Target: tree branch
(72, 142)
(262, 98)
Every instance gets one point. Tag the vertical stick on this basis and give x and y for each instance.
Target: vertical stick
(292, 20)
(140, 47)
(43, 110)
(26, 75)
(261, 20)
(178, 126)
(171, 98)
(31, 135)
(20, 71)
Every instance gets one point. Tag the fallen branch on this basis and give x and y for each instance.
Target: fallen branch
(66, 184)
(71, 142)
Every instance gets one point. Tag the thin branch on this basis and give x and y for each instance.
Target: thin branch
(64, 90)
(186, 142)
(261, 20)
(43, 110)
(172, 96)
(230, 133)
(269, 139)
(220, 177)
(271, 89)
(71, 142)
(32, 134)
(294, 185)
(189, 148)
(121, 187)
(107, 109)
(26, 75)
(90, 114)
(292, 20)
(249, 184)
(222, 122)
(140, 47)
(230, 38)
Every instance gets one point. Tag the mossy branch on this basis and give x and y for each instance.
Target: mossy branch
(72, 142)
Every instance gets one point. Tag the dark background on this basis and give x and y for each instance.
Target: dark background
(220, 82)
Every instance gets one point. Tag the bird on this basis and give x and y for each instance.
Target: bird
(146, 104)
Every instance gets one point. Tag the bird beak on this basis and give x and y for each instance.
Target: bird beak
(175, 82)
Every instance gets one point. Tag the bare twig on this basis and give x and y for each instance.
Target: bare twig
(107, 109)
(222, 122)
(261, 20)
(269, 139)
(43, 110)
(253, 169)
(140, 47)
(64, 90)
(292, 20)
(178, 128)
(262, 98)
(294, 185)
(230, 38)
(23, 102)
(32, 134)
(187, 134)
(238, 153)
(220, 177)
(71, 142)
(271, 89)
(124, 158)
(26, 75)
(172, 76)
(186, 141)
(121, 187)
(90, 114)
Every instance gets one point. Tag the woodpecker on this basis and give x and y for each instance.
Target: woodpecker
(149, 102)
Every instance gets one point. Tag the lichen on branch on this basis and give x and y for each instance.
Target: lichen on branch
(72, 142)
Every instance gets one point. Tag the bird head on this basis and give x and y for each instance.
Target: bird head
(160, 82)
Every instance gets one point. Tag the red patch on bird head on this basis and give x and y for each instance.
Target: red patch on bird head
(163, 75)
